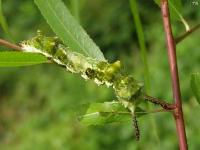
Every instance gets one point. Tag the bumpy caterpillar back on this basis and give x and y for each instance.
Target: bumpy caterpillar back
(127, 89)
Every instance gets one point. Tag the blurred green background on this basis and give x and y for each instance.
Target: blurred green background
(39, 104)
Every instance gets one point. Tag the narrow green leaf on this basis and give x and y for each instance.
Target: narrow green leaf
(177, 4)
(195, 84)
(68, 29)
(16, 59)
(107, 112)
(175, 9)
(3, 23)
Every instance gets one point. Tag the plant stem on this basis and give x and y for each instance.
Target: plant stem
(178, 113)
(9, 45)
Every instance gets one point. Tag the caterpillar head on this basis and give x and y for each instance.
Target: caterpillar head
(127, 88)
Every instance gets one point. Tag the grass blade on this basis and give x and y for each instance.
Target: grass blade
(141, 39)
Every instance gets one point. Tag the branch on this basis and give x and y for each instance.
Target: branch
(163, 104)
(186, 34)
(10, 45)
(178, 114)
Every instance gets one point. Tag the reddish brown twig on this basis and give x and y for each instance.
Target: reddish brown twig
(10, 45)
(178, 113)
(163, 104)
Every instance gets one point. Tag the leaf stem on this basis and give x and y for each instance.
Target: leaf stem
(178, 113)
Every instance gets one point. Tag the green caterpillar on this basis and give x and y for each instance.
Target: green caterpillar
(127, 89)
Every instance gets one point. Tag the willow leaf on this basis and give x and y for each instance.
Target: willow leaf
(16, 59)
(68, 29)
(107, 112)
(103, 113)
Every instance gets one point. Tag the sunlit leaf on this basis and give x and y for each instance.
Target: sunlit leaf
(68, 29)
(15, 59)
(195, 84)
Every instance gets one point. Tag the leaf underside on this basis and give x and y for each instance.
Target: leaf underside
(68, 29)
